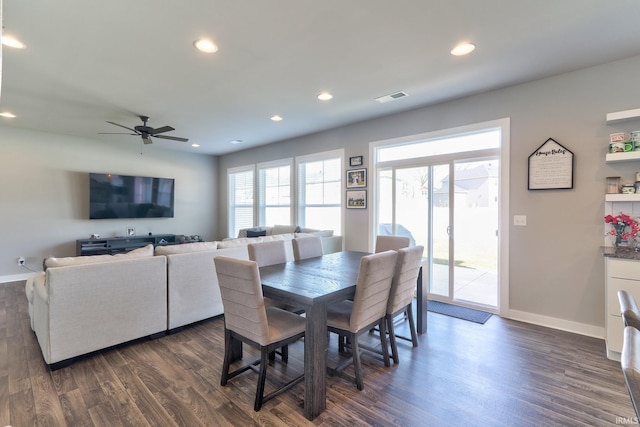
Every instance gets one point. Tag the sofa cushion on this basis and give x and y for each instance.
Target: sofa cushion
(186, 247)
(285, 229)
(252, 233)
(146, 251)
(243, 232)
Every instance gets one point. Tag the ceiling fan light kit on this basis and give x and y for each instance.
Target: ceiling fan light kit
(146, 132)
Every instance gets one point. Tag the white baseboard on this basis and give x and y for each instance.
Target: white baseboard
(560, 324)
(15, 277)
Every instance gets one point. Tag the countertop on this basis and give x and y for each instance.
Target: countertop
(625, 252)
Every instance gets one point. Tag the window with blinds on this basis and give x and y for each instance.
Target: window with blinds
(275, 193)
(241, 190)
(320, 191)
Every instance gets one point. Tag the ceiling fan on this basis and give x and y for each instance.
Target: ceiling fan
(146, 132)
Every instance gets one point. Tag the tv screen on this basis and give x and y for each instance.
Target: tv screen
(122, 196)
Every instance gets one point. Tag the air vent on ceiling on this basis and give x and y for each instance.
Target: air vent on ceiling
(391, 97)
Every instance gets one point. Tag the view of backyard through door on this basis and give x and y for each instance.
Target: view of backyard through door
(450, 205)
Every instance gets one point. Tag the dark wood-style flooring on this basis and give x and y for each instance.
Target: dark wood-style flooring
(502, 373)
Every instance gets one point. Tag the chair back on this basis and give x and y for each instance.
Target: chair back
(372, 289)
(629, 309)
(405, 277)
(391, 243)
(630, 363)
(241, 290)
(268, 253)
(307, 247)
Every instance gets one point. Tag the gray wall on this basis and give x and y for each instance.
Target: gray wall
(44, 193)
(556, 273)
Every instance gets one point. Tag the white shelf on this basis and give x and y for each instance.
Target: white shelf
(627, 156)
(620, 116)
(635, 197)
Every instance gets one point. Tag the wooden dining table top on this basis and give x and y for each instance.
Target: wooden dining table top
(313, 280)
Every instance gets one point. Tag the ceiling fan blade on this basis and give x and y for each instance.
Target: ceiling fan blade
(173, 138)
(122, 126)
(162, 129)
(116, 133)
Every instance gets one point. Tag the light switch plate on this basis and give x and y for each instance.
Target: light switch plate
(520, 220)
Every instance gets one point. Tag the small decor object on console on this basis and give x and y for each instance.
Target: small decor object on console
(625, 228)
(131, 231)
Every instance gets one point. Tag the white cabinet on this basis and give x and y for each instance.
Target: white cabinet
(620, 274)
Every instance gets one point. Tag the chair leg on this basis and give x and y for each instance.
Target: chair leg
(412, 326)
(227, 357)
(392, 339)
(357, 366)
(262, 375)
(383, 342)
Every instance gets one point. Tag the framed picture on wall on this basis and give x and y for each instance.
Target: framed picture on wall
(355, 161)
(356, 199)
(356, 178)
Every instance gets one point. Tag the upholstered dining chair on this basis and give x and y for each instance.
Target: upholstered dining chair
(368, 308)
(401, 293)
(247, 319)
(629, 309)
(270, 253)
(391, 243)
(307, 247)
(267, 253)
(630, 363)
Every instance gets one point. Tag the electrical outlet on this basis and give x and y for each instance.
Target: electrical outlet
(21, 260)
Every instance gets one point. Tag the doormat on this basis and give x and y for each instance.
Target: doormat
(463, 313)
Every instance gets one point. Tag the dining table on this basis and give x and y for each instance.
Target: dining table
(315, 283)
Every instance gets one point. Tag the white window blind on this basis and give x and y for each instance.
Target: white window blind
(274, 180)
(241, 189)
(320, 191)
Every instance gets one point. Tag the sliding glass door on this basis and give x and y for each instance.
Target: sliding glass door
(450, 204)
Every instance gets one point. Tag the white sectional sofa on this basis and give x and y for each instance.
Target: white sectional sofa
(82, 304)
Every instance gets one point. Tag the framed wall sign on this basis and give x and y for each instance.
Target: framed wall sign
(551, 167)
(355, 161)
(356, 199)
(357, 178)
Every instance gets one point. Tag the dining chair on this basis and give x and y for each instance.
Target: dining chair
(248, 320)
(630, 363)
(307, 247)
(270, 253)
(368, 308)
(267, 253)
(629, 309)
(401, 294)
(391, 243)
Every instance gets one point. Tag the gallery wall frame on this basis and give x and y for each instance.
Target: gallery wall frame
(357, 178)
(356, 161)
(356, 199)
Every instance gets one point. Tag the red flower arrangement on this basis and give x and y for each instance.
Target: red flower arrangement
(624, 227)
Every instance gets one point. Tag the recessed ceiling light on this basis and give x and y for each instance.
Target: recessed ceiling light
(463, 49)
(8, 115)
(10, 41)
(235, 141)
(276, 118)
(325, 96)
(205, 45)
(194, 145)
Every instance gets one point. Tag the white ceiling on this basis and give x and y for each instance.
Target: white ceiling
(92, 61)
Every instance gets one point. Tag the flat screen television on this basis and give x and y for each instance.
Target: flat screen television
(123, 196)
